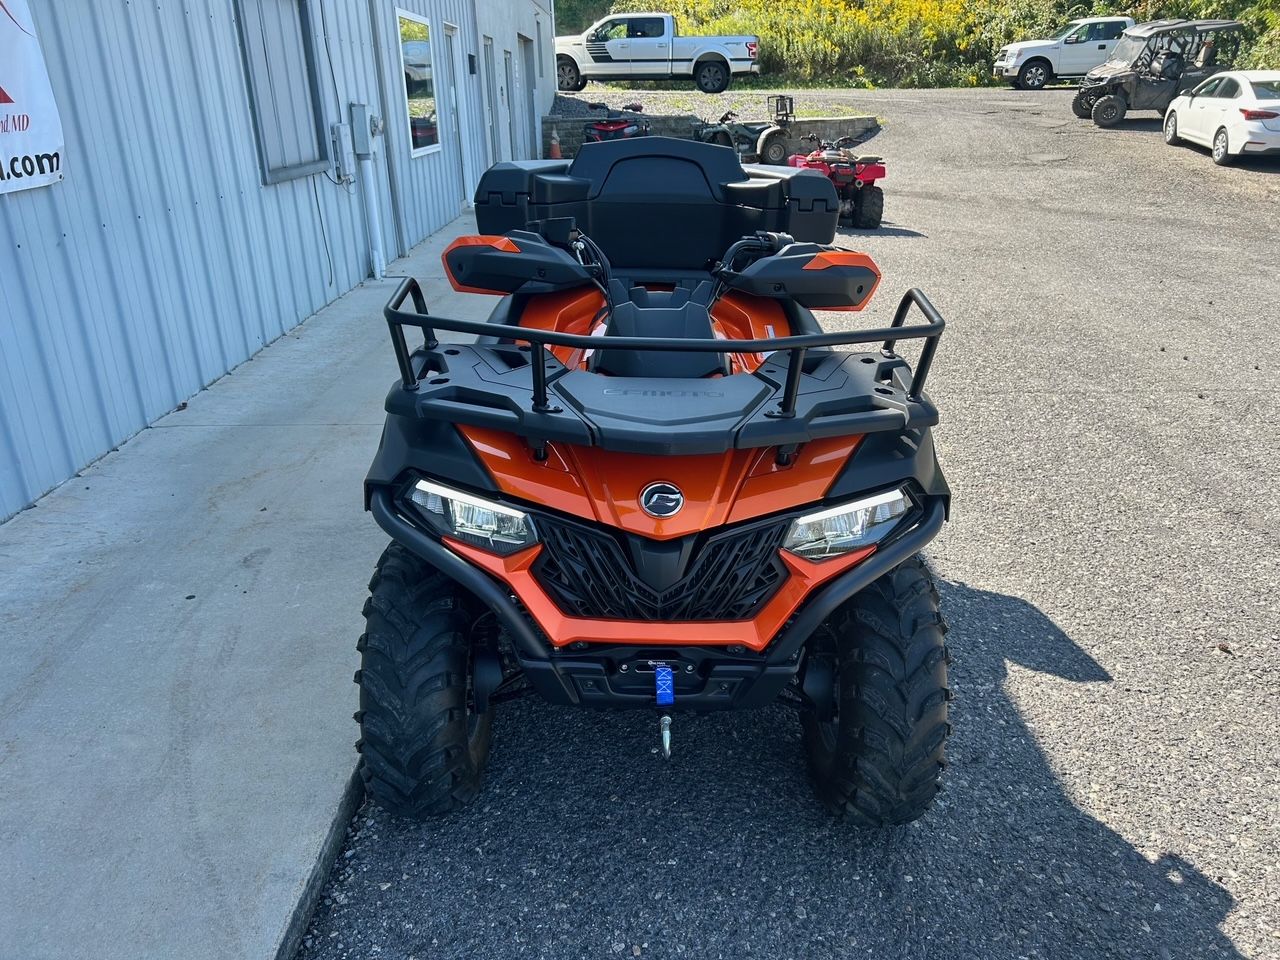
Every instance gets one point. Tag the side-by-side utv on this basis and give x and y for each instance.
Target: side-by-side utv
(1152, 64)
(653, 482)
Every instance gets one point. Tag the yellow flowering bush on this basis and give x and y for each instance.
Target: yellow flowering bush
(913, 42)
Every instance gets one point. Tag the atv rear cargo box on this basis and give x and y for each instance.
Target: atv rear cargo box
(704, 204)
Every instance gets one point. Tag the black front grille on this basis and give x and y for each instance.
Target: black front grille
(727, 576)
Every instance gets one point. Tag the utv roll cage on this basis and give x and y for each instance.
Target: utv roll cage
(1184, 39)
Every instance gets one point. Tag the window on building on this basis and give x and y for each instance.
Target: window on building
(542, 57)
(419, 82)
(284, 89)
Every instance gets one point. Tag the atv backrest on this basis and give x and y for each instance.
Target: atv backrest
(659, 202)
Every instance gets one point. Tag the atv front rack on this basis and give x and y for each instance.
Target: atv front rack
(883, 395)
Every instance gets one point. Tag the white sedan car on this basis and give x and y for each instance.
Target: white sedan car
(1231, 113)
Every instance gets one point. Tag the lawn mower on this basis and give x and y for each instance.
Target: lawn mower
(854, 176)
(653, 482)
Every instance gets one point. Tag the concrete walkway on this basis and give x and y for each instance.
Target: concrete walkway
(177, 628)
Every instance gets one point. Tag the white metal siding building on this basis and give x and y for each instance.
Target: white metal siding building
(207, 205)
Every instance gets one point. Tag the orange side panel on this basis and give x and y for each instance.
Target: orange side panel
(605, 487)
(770, 487)
(755, 634)
(738, 316)
(569, 311)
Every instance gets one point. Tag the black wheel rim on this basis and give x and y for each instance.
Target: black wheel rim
(709, 75)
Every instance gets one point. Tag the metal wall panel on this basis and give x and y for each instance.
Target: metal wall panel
(162, 261)
(507, 24)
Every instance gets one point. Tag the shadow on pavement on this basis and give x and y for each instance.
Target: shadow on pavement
(1147, 123)
(884, 230)
(585, 843)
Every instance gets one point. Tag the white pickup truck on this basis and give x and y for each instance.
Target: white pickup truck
(644, 46)
(1076, 49)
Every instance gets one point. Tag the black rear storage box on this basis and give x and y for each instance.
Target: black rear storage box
(659, 201)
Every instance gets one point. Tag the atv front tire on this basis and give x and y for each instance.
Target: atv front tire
(423, 747)
(878, 760)
(868, 208)
(1109, 110)
(1082, 106)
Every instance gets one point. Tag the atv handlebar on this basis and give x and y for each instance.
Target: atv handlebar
(796, 345)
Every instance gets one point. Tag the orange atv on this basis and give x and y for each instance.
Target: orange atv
(653, 482)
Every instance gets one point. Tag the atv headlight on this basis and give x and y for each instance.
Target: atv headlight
(849, 527)
(482, 523)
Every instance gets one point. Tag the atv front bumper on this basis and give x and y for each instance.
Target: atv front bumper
(621, 675)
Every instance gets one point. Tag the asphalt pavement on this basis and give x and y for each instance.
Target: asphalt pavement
(1109, 383)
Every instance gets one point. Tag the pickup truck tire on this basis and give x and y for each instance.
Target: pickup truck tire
(711, 76)
(568, 77)
(1082, 106)
(868, 208)
(1109, 110)
(1035, 73)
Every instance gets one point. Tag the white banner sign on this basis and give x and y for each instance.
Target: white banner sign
(30, 128)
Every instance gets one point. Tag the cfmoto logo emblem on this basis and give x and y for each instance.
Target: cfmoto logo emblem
(661, 500)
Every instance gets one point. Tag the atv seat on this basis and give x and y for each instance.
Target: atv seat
(658, 202)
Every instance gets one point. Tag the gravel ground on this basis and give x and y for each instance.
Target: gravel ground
(749, 104)
(1109, 384)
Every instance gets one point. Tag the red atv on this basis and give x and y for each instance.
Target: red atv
(615, 126)
(854, 176)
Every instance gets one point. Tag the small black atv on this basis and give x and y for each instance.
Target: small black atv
(1152, 64)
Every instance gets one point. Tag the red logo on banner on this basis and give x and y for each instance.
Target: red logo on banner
(4, 97)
